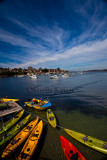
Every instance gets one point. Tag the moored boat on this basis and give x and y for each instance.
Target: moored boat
(33, 77)
(89, 141)
(8, 99)
(3, 105)
(20, 75)
(31, 143)
(51, 118)
(54, 77)
(11, 122)
(65, 76)
(14, 130)
(20, 137)
(38, 104)
(70, 151)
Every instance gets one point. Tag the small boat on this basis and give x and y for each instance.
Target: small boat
(12, 121)
(3, 105)
(7, 99)
(20, 75)
(81, 72)
(73, 74)
(65, 76)
(51, 118)
(20, 137)
(89, 141)
(38, 104)
(14, 130)
(31, 143)
(54, 77)
(6, 117)
(33, 77)
(70, 151)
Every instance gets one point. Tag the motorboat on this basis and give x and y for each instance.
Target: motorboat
(54, 77)
(65, 75)
(33, 77)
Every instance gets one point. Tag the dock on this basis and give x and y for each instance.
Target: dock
(12, 108)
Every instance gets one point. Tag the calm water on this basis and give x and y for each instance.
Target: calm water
(79, 103)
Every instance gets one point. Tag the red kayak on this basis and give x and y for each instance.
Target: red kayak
(70, 151)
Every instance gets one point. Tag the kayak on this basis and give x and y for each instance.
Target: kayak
(89, 141)
(38, 104)
(12, 121)
(31, 143)
(3, 105)
(6, 117)
(51, 118)
(14, 130)
(20, 137)
(70, 151)
(6, 99)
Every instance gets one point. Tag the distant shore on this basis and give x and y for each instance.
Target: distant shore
(97, 70)
(12, 75)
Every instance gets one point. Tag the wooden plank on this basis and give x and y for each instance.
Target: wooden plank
(12, 108)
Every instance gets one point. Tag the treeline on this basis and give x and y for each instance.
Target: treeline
(9, 72)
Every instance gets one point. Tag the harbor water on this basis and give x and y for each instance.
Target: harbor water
(79, 103)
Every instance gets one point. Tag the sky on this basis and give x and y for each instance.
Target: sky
(69, 34)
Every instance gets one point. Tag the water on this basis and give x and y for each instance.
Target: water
(79, 103)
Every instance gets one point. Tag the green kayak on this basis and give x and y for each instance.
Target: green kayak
(3, 106)
(51, 118)
(14, 130)
(89, 141)
(12, 121)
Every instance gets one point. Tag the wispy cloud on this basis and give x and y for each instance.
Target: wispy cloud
(38, 44)
(84, 53)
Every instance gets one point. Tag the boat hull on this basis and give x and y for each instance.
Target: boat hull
(89, 141)
(70, 151)
(20, 137)
(14, 130)
(51, 118)
(42, 105)
(6, 99)
(11, 122)
(31, 143)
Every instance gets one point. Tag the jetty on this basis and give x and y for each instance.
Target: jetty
(12, 108)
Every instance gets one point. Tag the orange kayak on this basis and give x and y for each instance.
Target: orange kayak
(70, 151)
(31, 143)
(20, 137)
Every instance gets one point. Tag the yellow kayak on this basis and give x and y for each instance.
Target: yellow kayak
(51, 118)
(38, 104)
(6, 99)
(11, 122)
(20, 137)
(89, 141)
(31, 143)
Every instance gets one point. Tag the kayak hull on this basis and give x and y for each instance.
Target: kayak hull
(51, 118)
(11, 122)
(6, 99)
(14, 130)
(31, 143)
(89, 141)
(70, 151)
(20, 137)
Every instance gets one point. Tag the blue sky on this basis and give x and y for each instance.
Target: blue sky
(70, 34)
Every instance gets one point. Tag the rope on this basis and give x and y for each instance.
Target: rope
(41, 119)
(46, 120)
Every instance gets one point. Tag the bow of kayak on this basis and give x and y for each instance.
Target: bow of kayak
(70, 151)
(89, 141)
